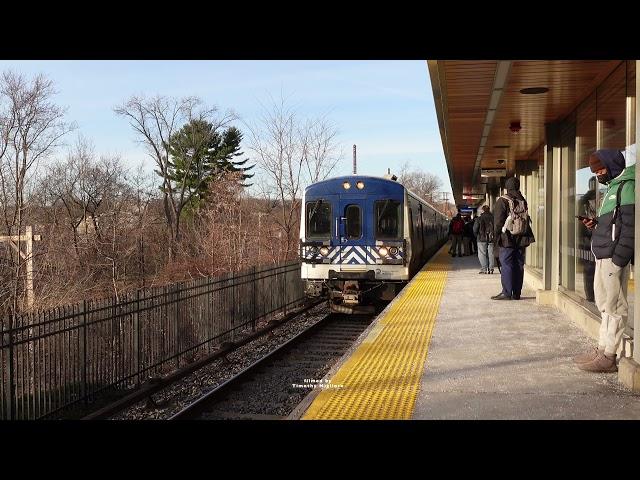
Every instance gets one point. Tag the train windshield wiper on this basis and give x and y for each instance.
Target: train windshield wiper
(315, 208)
(384, 208)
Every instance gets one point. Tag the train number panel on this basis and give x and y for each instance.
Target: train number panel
(362, 238)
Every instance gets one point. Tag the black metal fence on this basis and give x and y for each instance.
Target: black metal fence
(56, 359)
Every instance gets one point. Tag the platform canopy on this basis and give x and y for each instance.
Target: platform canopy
(477, 102)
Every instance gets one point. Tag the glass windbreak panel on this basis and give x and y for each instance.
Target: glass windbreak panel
(631, 112)
(612, 110)
(567, 204)
(631, 157)
(354, 222)
(586, 199)
(318, 219)
(541, 215)
(388, 215)
(586, 206)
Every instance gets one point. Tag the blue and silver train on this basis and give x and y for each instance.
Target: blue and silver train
(362, 238)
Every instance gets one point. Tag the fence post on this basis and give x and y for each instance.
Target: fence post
(83, 352)
(10, 372)
(284, 289)
(175, 297)
(254, 311)
(136, 338)
(233, 305)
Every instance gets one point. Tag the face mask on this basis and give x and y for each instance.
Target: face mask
(604, 178)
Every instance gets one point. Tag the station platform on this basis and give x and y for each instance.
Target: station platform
(444, 350)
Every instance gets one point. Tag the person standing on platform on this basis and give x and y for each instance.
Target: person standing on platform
(468, 236)
(612, 243)
(512, 230)
(483, 229)
(456, 229)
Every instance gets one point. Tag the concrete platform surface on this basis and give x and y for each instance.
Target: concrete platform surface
(510, 359)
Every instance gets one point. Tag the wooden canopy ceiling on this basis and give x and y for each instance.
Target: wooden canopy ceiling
(463, 91)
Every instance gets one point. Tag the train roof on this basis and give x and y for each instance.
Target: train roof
(385, 183)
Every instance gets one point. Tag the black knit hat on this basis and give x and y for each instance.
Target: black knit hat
(611, 158)
(595, 163)
(512, 183)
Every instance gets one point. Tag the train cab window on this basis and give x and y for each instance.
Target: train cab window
(388, 219)
(353, 227)
(318, 219)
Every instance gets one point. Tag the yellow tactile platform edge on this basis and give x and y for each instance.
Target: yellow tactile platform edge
(382, 378)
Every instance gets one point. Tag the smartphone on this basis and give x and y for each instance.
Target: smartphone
(581, 218)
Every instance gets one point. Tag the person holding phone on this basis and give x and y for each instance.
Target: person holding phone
(612, 244)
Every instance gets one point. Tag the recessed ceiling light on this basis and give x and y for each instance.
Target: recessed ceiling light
(534, 90)
(501, 146)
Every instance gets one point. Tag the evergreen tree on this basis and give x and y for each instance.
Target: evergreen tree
(200, 155)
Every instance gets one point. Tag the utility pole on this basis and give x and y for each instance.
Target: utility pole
(354, 159)
(445, 199)
(28, 238)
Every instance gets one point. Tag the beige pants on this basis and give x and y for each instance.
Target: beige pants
(610, 288)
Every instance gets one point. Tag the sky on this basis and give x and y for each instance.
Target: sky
(384, 107)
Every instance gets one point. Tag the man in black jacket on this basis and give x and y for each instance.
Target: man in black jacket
(612, 243)
(512, 247)
(468, 237)
(483, 230)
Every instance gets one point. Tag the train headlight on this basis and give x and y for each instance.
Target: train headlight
(393, 250)
(383, 251)
(313, 251)
(346, 185)
(324, 251)
(360, 185)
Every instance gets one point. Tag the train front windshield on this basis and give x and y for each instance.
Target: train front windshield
(318, 219)
(388, 219)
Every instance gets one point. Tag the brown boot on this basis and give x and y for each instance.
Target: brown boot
(602, 364)
(588, 356)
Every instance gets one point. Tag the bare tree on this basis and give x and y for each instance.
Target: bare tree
(81, 183)
(291, 153)
(320, 150)
(155, 120)
(31, 127)
(426, 185)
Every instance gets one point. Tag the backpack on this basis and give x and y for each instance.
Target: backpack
(518, 220)
(483, 232)
(458, 226)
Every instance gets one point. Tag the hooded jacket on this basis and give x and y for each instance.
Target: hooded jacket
(455, 219)
(618, 246)
(500, 214)
(486, 221)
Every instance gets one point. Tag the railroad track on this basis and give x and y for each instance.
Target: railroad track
(273, 386)
(158, 384)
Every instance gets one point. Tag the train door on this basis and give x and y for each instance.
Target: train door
(352, 225)
(422, 234)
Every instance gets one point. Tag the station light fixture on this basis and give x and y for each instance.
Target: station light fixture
(534, 90)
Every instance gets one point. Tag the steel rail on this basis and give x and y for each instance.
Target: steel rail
(155, 385)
